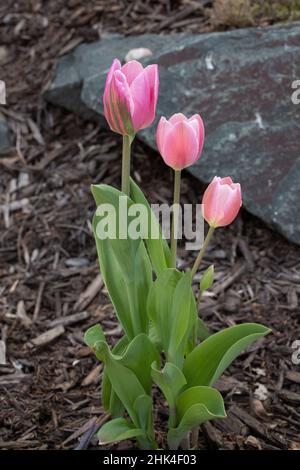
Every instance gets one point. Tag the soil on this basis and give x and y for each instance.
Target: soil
(49, 281)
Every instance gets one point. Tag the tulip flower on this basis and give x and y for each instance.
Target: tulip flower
(221, 202)
(129, 99)
(180, 140)
(130, 96)
(220, 205)
(165, 342)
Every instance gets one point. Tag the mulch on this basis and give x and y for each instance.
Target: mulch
(50, 287)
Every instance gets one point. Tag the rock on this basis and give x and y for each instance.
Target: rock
(80, 77)
(241, 83)
(5, 139)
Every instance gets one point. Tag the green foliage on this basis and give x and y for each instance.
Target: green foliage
(205, 364)
(118, 429)
(130, 377)
(195, 406)
(110, 401)
(160, 321)
(157, 247)
(124, 265)
(202, 330)
(171, 381)
(207, 279)
(172, 310)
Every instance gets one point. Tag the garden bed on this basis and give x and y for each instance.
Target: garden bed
(49, 282)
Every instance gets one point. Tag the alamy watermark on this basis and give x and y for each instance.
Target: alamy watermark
(296, 353)
(296, 94)
(2, 92)
(134, 221)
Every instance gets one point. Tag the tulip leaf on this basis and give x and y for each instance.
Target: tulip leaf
(133, 361)
(160, 303)
(110, 401)
(93, 335)
(115, 406)
(195, 406)
(205, 364)
(143, 409)
(172, 309)
(124, 263)
(112, 215)
(154, 337)
(202, 330)
(181, 309)
(139, 356)
(157, 246)
(118, 429)
(207, 279)
(208, 396)
(123, 380)
(170, 380)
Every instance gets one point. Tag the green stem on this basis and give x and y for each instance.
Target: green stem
(176, 200)
(194, 270)
(127, 140)
(202, 251)
(195, 327)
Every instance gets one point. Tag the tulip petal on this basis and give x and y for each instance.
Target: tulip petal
(131, 70)
(177, 117)
(163, 127)
(231, 205)
(197, 123)
(116, 65)
(226, 180)
(120, 104)
(221, 202)
(211, 203)
(144, 91)
(180, 146)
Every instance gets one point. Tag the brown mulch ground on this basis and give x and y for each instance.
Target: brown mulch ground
(49, 282)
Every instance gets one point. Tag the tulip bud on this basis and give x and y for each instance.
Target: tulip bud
(130, 96)
(180, 140)
(221, 202)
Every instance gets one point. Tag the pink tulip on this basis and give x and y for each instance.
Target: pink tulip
(130, 96)
(221, 202)
(180, 140)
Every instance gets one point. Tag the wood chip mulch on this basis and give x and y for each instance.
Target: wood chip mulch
(50, 288)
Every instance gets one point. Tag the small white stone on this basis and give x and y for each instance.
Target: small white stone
(137, 54)
(259, 371)
(259, 121)
(209, 62)
(261, 392)
(23, 180)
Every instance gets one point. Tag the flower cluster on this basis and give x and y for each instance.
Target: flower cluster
(164, 341)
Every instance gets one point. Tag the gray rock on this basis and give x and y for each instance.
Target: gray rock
(80, 77)
(5, 140)
(241, 84)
